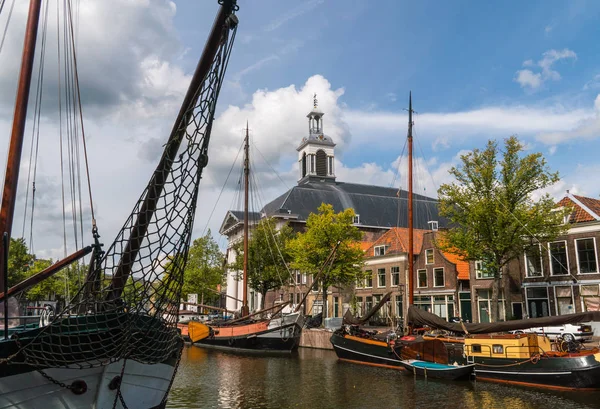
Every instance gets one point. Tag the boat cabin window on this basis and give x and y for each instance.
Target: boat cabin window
(497, 349)
(476, 348)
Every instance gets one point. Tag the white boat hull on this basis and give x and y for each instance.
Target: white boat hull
(143, 386)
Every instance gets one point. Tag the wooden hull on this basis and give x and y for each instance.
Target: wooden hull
(364, 351)
(438, 371)
(568, 372)
(277, 335)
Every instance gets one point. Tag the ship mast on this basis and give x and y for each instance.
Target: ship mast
(410, 206)
(245, 309)
(11, 178)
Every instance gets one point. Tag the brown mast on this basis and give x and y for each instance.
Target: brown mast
(16, 138)
(245, 309)
(410, 206)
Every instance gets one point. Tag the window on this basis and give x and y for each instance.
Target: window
(356, 219)
(438, 277)
(298, 277)
(303, 278)
(368, 303)
(380, 250)
(586, 256)
(317, 307)
(484, 305)
(395, 271)
(564, 300)
(590, 297)
(359, 282)
(312, 163)
(537, 302)
(369, 279)
(423, 302)
(443, 306)
(330, 159)
(497, 349)
(381, 277)
(433, 224)
(559, 261)
(336, 307)
(476, 348)
(359, 306)
(480, 272)
(421, 278)
(429, 256)
(533, 262)
(399, 309)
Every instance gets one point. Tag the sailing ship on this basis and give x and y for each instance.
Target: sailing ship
(351, 342)
(116, 343)
(499, 354)
(279, 333)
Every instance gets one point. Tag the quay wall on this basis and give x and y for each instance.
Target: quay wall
(317, 338)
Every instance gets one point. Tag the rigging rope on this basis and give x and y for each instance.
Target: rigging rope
(7, 22)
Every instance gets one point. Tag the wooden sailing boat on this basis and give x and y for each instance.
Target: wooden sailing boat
(280, 333)
(354, 344)
(116, 344)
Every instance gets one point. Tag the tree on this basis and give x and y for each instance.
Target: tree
(19, 261)
(268, 257)
(203, 271)
(493, 211)
(311, 249)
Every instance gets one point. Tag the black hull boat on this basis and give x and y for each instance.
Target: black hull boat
(438, 371)
(365, 351)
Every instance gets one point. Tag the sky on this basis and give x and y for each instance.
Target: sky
(477, 71)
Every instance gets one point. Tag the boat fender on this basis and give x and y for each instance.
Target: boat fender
(78, 387)
(231, 341)
(114, 383)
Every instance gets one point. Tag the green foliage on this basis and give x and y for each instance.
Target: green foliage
(203, 271)
(311, 249)
(268, 257)
(54, 285)
(19, 261)
(493, 210)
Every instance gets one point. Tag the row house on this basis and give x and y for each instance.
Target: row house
(563, 277)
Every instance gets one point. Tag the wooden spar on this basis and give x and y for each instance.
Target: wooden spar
(410, 206)
(245, 309)
(157, 182)
(259, 312)
(317, 276)
(208, 307)
(13, 163)
(220, 293)
(47, 272)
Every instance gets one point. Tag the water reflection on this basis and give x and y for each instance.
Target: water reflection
(315, 379)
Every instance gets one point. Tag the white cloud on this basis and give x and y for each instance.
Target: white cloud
(586, 128)
(293, 13)
(594, 83)
(532, 80)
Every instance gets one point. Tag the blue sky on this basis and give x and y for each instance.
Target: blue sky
(477, 70)
(456, 57)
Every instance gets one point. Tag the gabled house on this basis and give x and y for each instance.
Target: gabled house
(563, 276)
(441, 282)
(386, 269)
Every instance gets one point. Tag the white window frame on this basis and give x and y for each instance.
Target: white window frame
(432, 257)
(577, 255)
(556, 306)
(360, 282)
(330, 163)
(550, 258)
(527, 272)
(379, 276)
(443, 277)
(369, 286)
(356, 219)
(304, 278)
(419, 281)
(527, 306)
(379, 250)
(479, 271)
(392, 274)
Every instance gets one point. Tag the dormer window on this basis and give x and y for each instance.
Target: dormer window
(380, 250)
(356, 219)
(433, 224)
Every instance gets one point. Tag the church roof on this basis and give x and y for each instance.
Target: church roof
(316, 139)
(234, 218)
(376, 206)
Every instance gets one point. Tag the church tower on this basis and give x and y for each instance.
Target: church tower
(316, 152)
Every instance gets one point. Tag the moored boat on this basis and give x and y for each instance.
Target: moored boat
(437, 370)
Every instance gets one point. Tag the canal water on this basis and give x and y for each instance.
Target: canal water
(315, 379)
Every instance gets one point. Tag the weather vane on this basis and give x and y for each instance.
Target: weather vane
(315, 100)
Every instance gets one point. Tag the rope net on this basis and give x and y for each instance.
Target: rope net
(128, 306)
